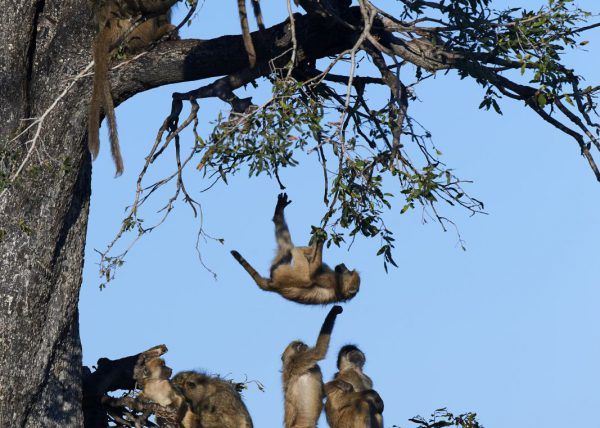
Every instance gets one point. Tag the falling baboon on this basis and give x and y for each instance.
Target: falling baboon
(298, 273)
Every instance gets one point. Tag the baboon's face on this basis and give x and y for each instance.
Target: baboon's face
(292, 349)
(356, 358)
(348, 280)
(194, 389)
(350, 356)
(155, 369)
(194, 386)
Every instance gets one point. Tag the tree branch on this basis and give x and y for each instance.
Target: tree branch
(113, 375)
(190, 60)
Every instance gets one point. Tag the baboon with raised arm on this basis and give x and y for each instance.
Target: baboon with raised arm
(351, 400)
(215, 402)
(298, 273)
(302, 378)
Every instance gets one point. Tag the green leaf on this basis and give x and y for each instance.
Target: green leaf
(541, 100)
(569, 99)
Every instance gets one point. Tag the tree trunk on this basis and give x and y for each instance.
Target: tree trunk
(43, 216)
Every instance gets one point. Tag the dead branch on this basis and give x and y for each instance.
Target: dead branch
(145, 370)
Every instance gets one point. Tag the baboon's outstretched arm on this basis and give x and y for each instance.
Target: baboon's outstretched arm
(282, 234)
(320, 349)
(317, 259)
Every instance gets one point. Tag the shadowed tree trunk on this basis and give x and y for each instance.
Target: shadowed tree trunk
(43, 217)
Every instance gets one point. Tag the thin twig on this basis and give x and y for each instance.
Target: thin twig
(38, 123)
(294, 40)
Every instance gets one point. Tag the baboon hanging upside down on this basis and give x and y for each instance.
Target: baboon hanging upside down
(298, 273)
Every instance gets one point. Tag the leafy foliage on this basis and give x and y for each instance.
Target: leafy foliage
(374, 155)
(295, 119)
(443, 418)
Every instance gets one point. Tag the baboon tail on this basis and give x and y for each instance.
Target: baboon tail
(99, 81)
(115, 149)
(246, 33)
(262, 282)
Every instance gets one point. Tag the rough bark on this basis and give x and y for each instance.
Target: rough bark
(43, 217)
(43, 214)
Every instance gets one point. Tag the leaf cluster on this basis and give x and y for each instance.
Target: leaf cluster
(375, 157)
(443, 418)
(304, 117)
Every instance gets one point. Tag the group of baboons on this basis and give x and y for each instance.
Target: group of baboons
(297, 274)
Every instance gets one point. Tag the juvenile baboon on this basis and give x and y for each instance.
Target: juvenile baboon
(215, 401)
(298, 273)
(302, 378)
(155, 385)
(351, 400)
(114, 23)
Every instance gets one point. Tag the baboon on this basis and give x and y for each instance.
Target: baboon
(298, 273)
(302, 378)
(351, 400)
(114, 23)
(215, 401)
(155, 385)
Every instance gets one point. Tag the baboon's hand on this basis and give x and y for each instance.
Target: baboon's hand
(344, 386)
(237, 256)
(372, 396)
(282, 202)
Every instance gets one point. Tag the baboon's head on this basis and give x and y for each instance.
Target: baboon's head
(292, 349)
(156, 369)
(348, 281)
(193, 385)
(350, 357)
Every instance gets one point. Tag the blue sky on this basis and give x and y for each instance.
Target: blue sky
(507, 329)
